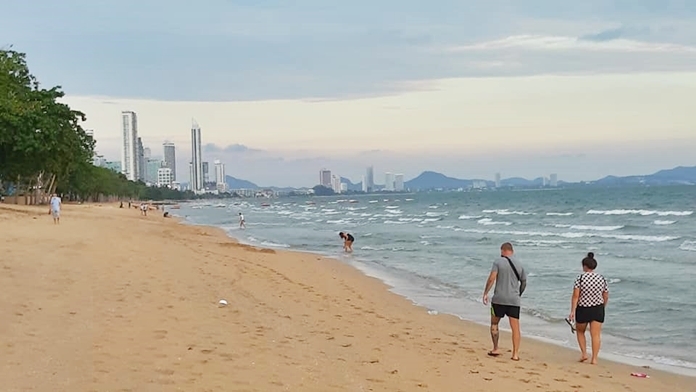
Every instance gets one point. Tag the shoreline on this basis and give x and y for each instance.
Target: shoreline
(125, 302)
(364, 268)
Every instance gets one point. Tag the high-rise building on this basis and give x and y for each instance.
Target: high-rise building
(170, 157)
(152, 170)
(147, 153)
(336, 184)
(164, 177)
(399, 182)
(196, 158)
(206, 173)
(388, 181)
(325, 178)
(129, 152)
(553, 181)
(364, 184)
(220, 176)
(497, 180)
(369, 182)
(141, 160)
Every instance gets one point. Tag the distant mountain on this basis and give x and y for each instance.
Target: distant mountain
(236, 183)
(680, 175)
(434, 180)
(351, 186)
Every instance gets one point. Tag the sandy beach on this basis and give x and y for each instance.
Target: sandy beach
(113, 301)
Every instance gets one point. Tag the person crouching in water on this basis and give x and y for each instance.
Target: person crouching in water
(347, 241)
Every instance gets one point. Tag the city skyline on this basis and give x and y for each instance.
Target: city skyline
(463, 88)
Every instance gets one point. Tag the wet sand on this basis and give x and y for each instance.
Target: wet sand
(112, 301)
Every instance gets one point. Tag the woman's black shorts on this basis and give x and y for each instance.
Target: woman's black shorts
(585, 315)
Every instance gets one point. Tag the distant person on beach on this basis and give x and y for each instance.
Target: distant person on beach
(54, 209)
(242, 222)
(143, 209)
(348, 240)
(510, 280)
(590, 298)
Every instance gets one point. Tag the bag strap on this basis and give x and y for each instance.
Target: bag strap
(513, 268)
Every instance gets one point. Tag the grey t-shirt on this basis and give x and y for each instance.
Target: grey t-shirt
(507, 287)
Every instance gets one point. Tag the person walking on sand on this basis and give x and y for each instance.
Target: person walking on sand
(587, 305)
(348, 240)
(242, 222)
(510, 280)
(54, 209)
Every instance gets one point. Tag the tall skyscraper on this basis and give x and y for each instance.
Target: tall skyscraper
(170, 158)
(141, 160)
(553, 180)
(220, 176)
(399, 182)
(364, 184)
(129, 152)
(497, 180)
(196, 158)
(147, 153)
(336, 184)
(152, 167)
(206, 173)
(369, 183)
(388, 181)
(325, 178)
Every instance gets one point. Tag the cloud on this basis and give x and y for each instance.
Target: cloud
(563, 43)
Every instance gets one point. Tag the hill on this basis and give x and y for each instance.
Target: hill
(236, 183)
(681, 175)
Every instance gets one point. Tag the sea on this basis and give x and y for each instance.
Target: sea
(436, 249)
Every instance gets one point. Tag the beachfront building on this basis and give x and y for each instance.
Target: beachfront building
(399, 182)
(170, 157)
(220, 176)
(497, 180)
(369, 179)
(389, 182)
(196, 159)
(336, 184)
(553, 180)
(364, 184)
(206, 173)
(129, 151)
(164, 177)
(325, 178)
(141, 160)
(152, 171)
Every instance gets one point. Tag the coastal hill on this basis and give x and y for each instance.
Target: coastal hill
(681, 175)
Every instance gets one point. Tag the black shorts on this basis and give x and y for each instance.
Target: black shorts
(500, 311)
(584, 315)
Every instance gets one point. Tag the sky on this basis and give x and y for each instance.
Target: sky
(282, 89)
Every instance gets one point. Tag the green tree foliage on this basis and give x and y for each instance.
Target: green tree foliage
(43, 147)
(321, 190)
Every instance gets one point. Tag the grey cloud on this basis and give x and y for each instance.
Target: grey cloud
(612, 34)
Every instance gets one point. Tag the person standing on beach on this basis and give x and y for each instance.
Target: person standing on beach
(590, 298)
(242, 222)
(510, 280)
(54, 209)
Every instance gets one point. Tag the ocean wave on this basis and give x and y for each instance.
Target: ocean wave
(640, 212)
(664, 222)
(395, 212)
(489, 221)
(433, 214)
(274, 245)
(391, 222)
(467, 217)
(689, 246)
(625, 237)
(506, 212)
(540, 243)
(588, 227)
(559, 213)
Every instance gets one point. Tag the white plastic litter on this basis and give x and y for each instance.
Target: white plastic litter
(222, 302)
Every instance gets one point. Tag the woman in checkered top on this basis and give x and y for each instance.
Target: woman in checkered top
(590, 297)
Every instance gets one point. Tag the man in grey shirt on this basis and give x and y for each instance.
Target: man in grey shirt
(510, 280)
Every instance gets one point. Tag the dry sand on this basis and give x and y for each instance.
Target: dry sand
(112, 301)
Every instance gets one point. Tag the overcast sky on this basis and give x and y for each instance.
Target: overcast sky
(469, 88)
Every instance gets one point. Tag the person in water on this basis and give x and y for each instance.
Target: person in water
(590, 297)
(242, 221)
(348, 240)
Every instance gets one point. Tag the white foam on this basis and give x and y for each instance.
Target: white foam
(559, 213)
(489, 222)
(506, 212)
(626, 237)
(467, 217)
(664, 222)
(587, 227)
(640, 212)
(689, 246)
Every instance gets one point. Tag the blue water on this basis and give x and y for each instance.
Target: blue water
(437, 249)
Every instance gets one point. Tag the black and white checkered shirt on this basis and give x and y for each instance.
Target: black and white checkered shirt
(592, 287)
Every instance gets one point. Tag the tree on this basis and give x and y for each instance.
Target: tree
(41, 141)
(321, 190)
